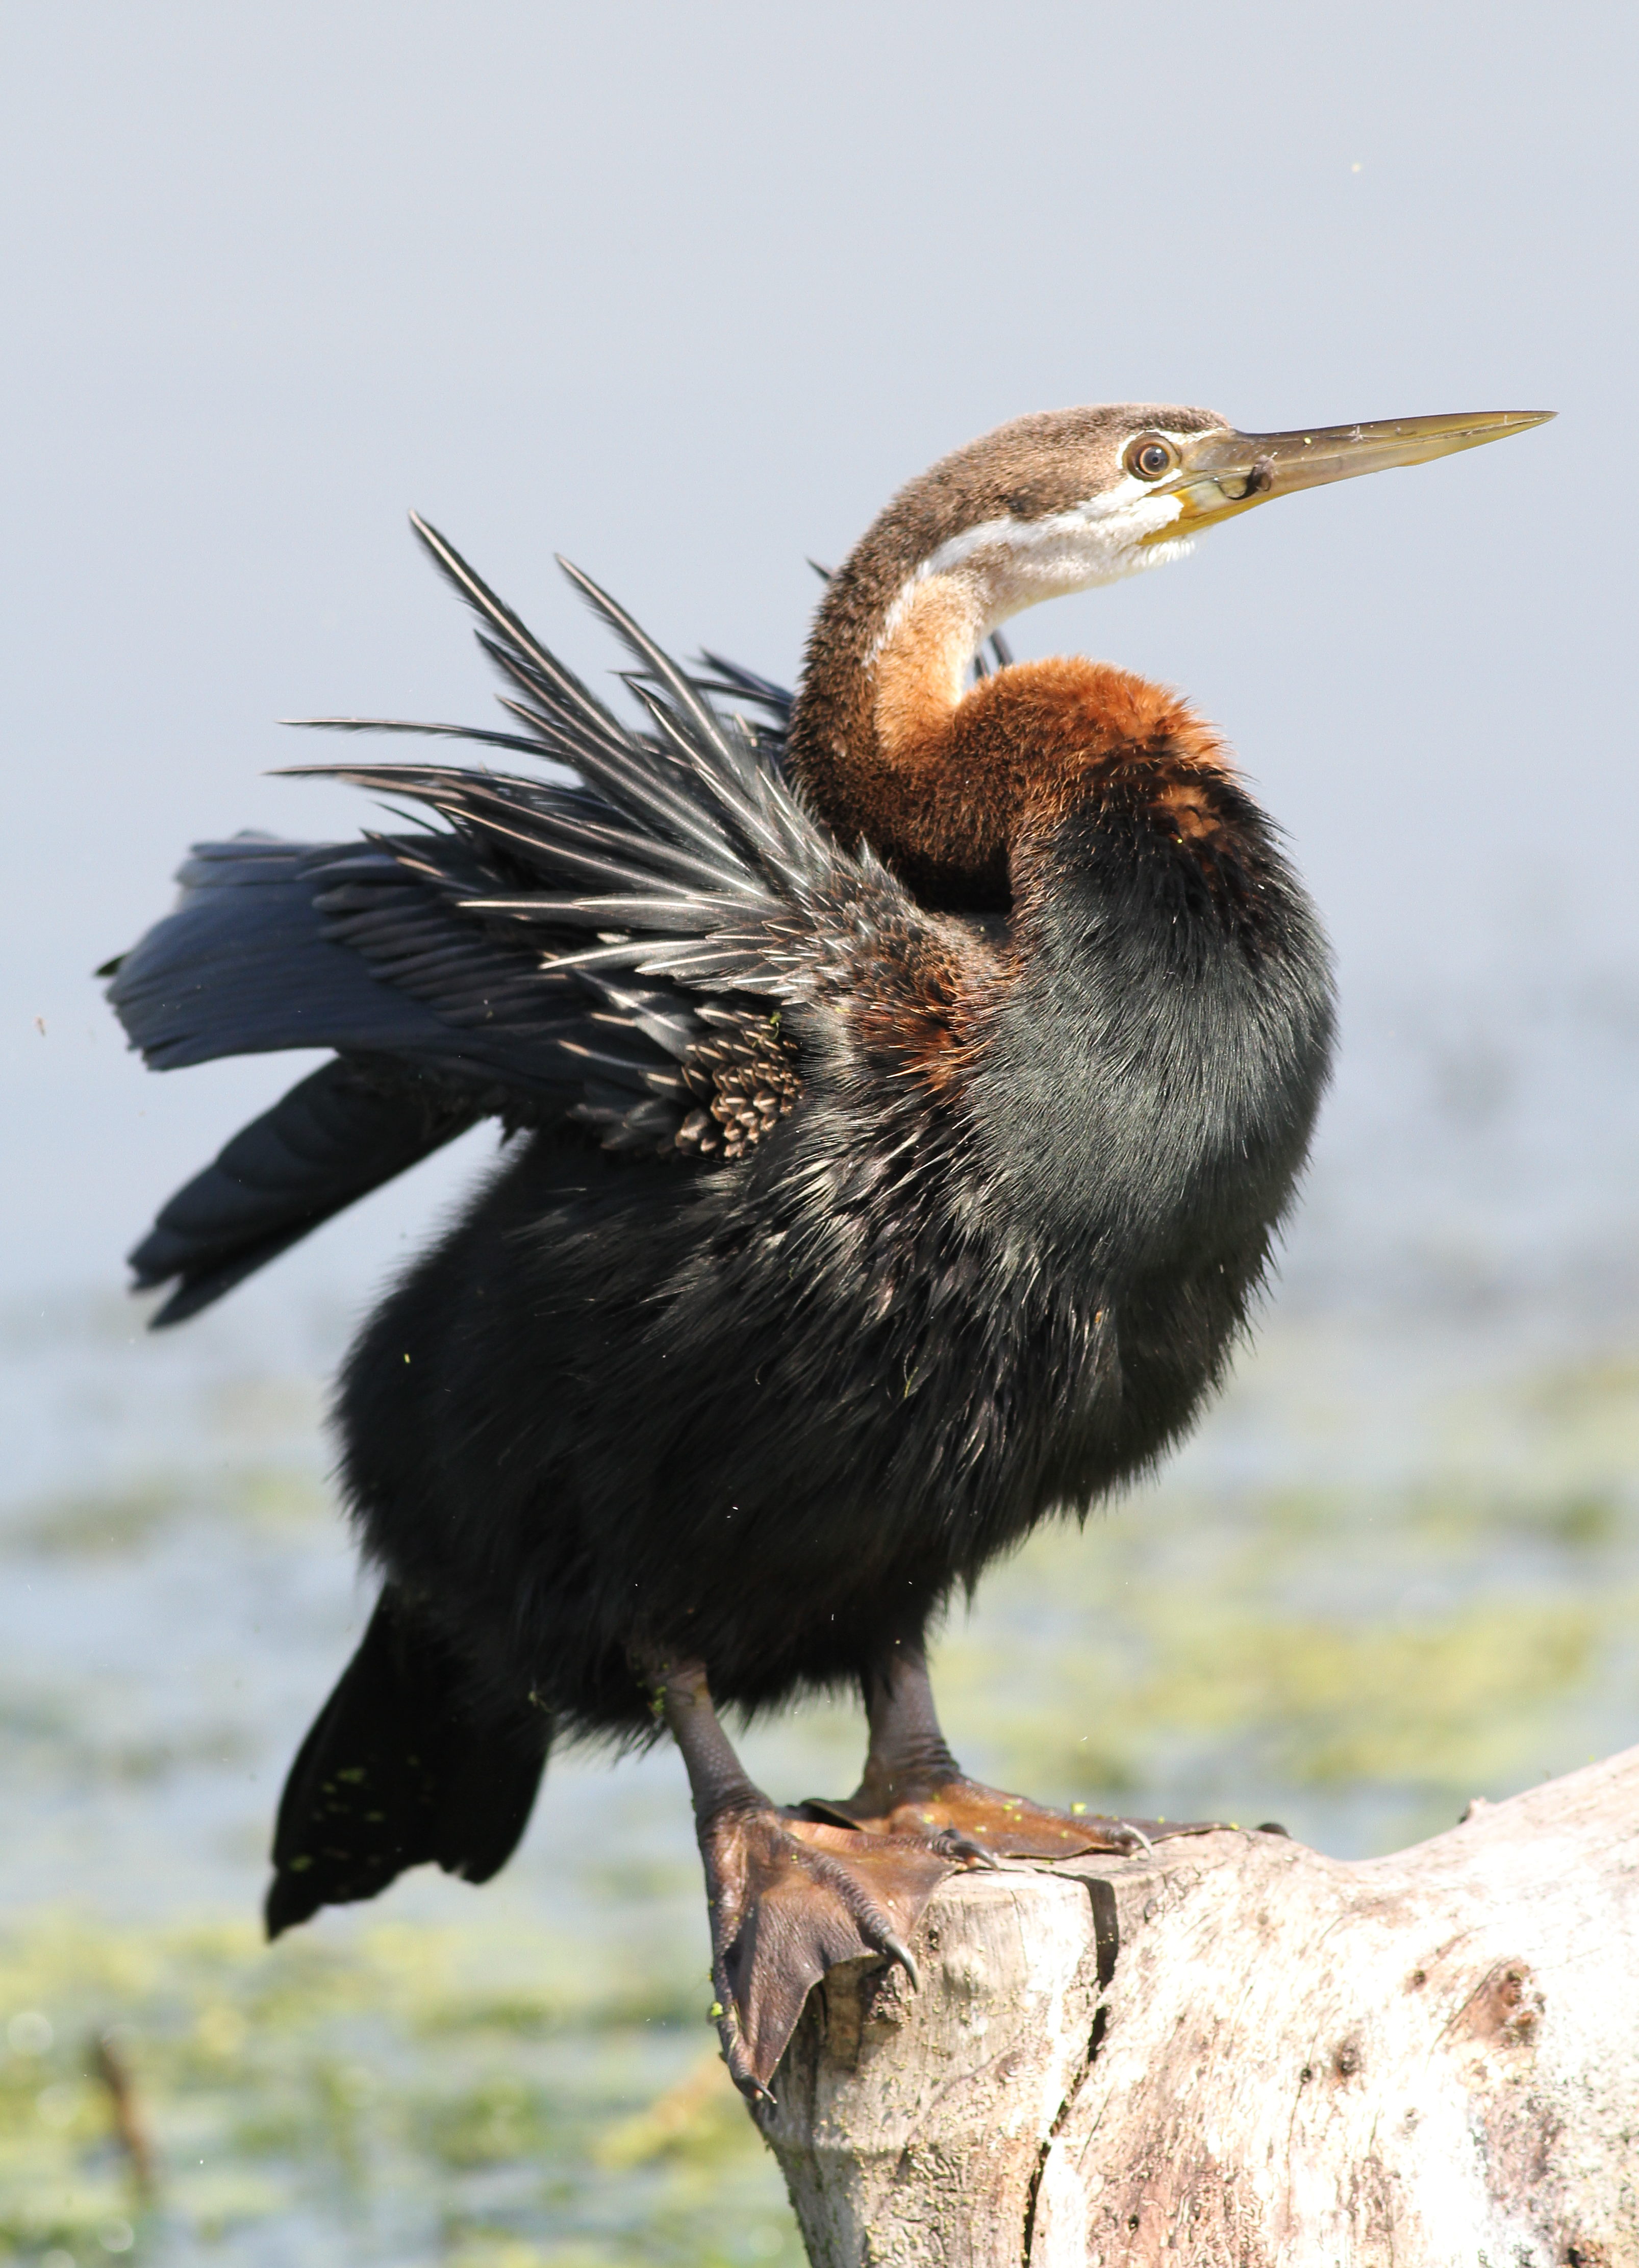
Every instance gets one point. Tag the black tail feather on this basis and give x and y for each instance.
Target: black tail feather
(328, 1141)
(398, 1770)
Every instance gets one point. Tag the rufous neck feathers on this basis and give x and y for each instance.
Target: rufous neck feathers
(947, 782)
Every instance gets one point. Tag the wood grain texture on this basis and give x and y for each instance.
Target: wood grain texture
(1429, 2060)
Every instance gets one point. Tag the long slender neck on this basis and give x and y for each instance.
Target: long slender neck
(946, 785)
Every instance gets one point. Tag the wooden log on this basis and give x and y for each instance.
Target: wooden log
(1242, 2054)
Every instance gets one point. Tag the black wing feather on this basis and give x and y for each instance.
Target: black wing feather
(456, 963)
(337, 1135)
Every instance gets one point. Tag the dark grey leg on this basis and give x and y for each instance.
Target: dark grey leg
(913, 1786)
(790, 1898)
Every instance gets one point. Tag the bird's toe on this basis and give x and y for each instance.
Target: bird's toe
(790, 1899)
(975, 1825)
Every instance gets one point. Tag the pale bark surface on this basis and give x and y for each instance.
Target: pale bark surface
(1242, 2054)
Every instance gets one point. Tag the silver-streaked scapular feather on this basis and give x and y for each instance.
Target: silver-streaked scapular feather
(614, 941)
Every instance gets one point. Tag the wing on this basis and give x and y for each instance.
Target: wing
(619, 948)
(333, 1137)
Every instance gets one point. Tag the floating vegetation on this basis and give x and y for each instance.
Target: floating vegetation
(1393, 1656)
(403, 2095)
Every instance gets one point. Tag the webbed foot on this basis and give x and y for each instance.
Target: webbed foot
(790, 1899)
(965, 1815)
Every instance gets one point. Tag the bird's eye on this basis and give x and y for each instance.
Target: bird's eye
(1149, 457)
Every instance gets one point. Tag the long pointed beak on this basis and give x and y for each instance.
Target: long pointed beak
(1224, 472)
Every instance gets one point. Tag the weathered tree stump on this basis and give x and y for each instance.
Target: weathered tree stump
(1240, 2054)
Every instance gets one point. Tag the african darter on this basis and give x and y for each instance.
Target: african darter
(901, 1085)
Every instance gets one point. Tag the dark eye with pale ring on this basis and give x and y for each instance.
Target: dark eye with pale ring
(1149, 457)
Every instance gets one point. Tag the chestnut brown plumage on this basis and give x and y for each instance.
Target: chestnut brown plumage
(902, 1091)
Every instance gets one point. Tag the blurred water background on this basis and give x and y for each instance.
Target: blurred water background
(685, 294)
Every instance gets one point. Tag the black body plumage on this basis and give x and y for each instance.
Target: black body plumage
(836, 1243)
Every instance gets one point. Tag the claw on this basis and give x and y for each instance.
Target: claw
(967, 1848)
(733, 2045)
(900, 1952)
(750, 2086)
